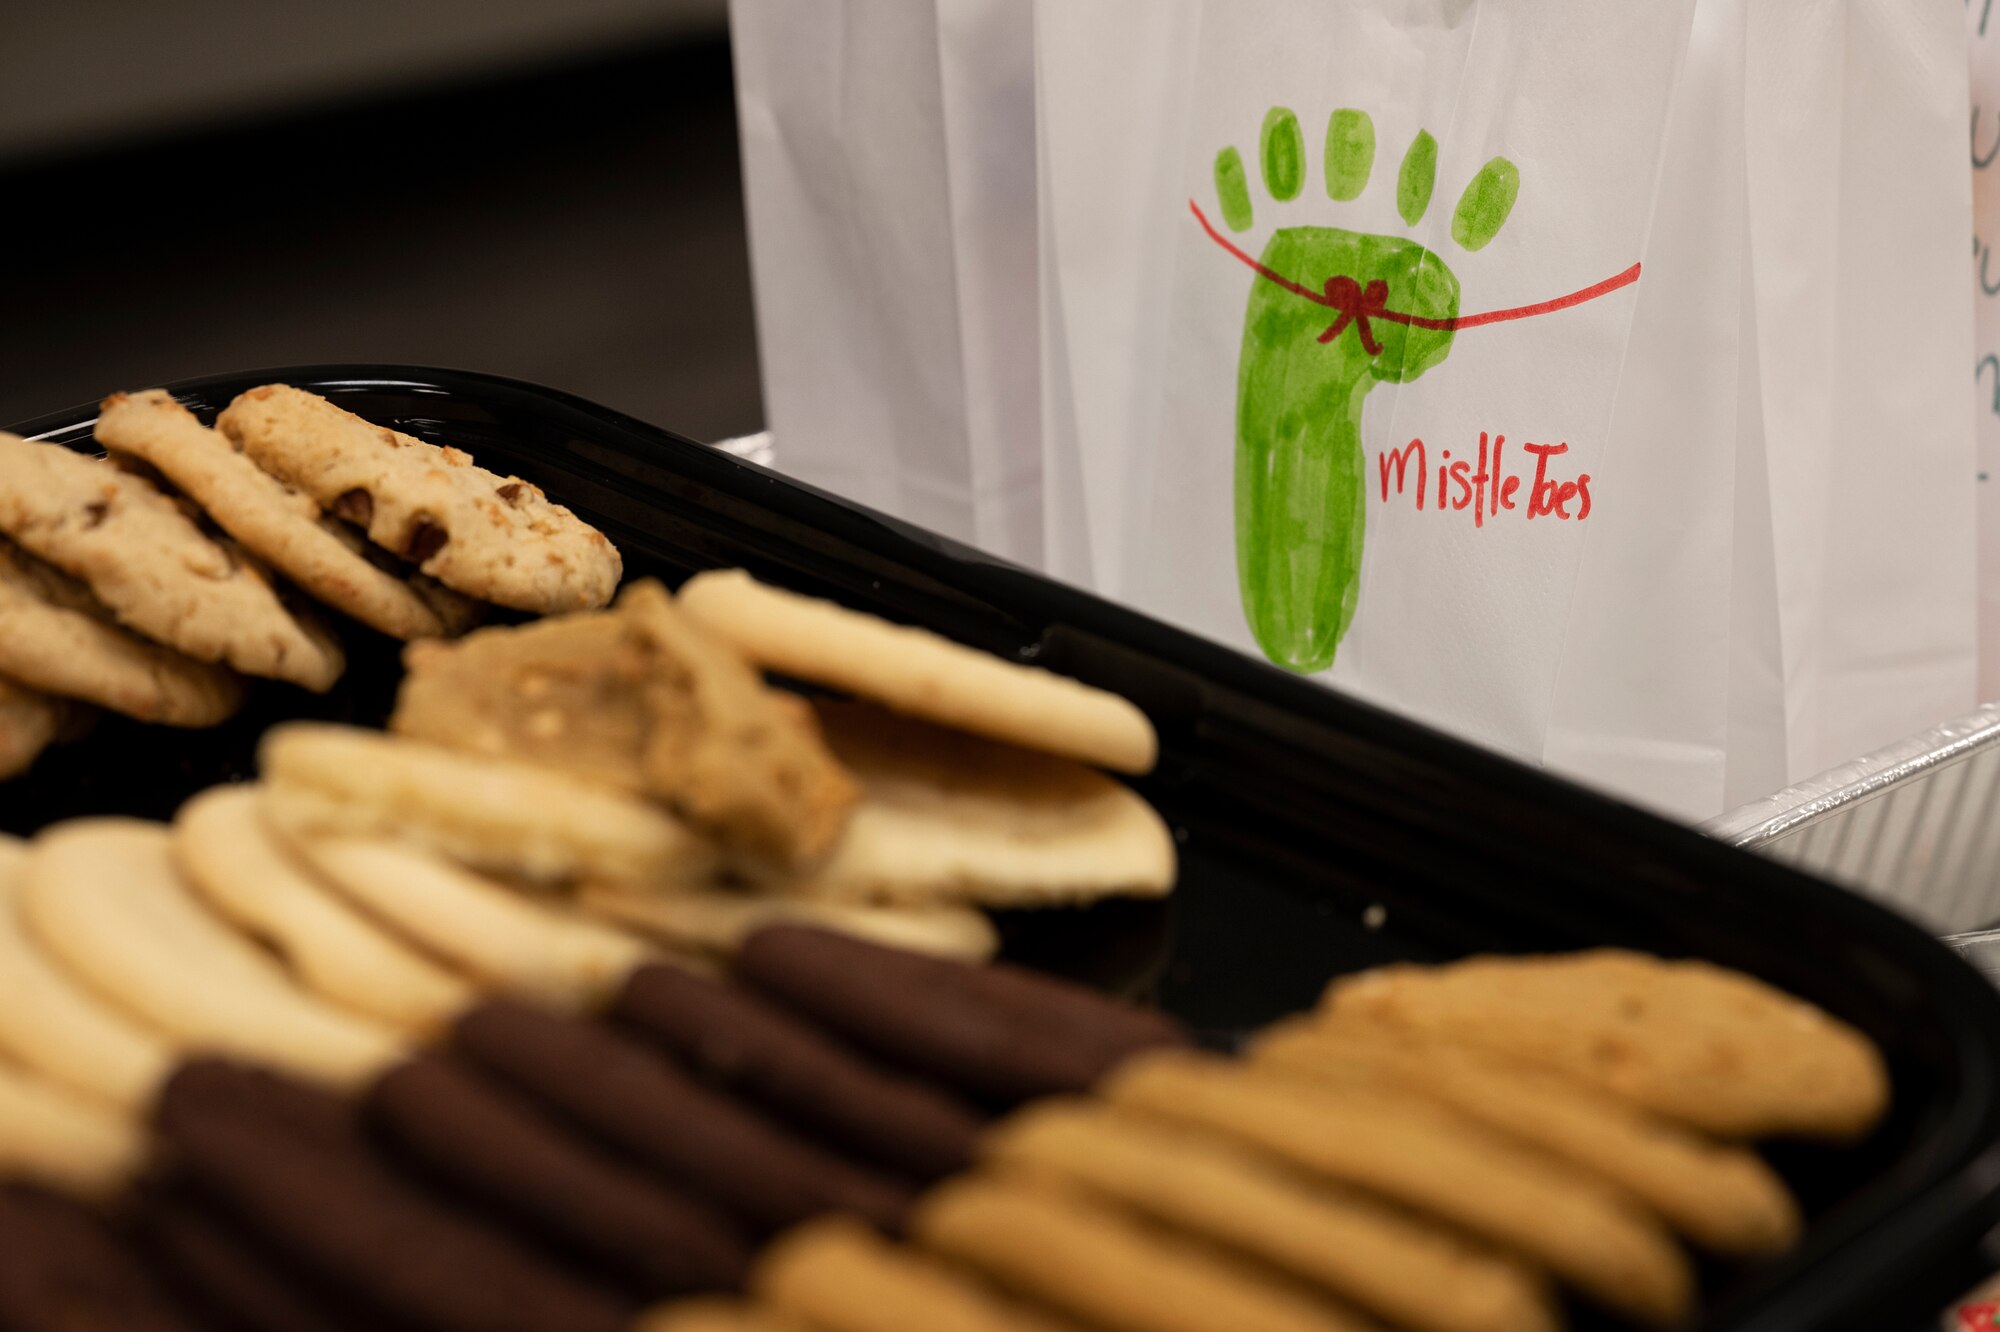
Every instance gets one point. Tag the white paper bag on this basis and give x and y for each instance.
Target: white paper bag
(889, 160)
(1803, 139)
(1983, 30)
(1158, 295)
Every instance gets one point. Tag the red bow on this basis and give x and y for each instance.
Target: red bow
(1356, 306)
(1978, 1317)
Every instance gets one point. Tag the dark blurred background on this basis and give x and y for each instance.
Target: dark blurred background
(547, 189)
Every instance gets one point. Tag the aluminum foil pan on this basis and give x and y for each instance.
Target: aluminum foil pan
(1914, 824)
(751, 448)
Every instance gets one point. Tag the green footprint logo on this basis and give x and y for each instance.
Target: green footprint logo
(1374, 308)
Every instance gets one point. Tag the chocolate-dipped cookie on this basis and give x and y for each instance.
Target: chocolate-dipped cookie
(996, 1031)
(750, 1046)
(235, 1281)
(337, 1209)
(61, 1267)
(495, 1144)
(632, 1097)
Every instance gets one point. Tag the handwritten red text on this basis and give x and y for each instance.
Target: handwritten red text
(1485, 485)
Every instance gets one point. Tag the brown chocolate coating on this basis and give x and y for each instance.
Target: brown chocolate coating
(495, 1144)
(337, 1208)
(62, 1268)
(230, 1275)
(995, 1031)
(749, 1045)
(298, 1108)
(633, 1098)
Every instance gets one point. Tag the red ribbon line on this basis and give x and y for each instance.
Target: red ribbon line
(1357, 305)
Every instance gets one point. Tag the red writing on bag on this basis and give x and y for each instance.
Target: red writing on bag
(1485, 486)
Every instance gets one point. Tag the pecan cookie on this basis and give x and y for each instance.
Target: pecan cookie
(56, 637)
(158, 573)
(28, 722)
(494, 537)
(274, 522)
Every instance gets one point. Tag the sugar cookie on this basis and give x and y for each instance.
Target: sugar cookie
(922, 674)
(103, 897)
(249, 878)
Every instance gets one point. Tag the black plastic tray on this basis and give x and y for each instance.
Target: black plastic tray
(1304, 818)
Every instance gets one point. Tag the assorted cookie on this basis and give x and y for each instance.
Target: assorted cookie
(240, 867)
(921, 674)
(104, 899)
(152, 581)
(57, 637)
(1688, 1041)
(496, 538)
(28, 722)
(499, 815)
(1329, 1180)
(277, 524)
(639, 698)
(154, 569)
(841, 1134)
(529, 1170)
(842, 812)
(617, 986)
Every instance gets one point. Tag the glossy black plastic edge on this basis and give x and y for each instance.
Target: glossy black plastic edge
(1902, 1253)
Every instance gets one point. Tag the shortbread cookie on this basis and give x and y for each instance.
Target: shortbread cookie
(57, 637)
(718, 921)
(29, 721)
(644, 1105)
(1690, 1041)
(1722, 1197)
(148, 562)
(103, 897)
(737, 756)
(838, 1275)
(1093, 1263)
(51, 1025)
(640, 698)
(334, 1205)
(493, 537)
(1385, 1262)
(716, 1313)
(1000, 1031)
(949, 817)
(250, 879)
(755, 1049)
(501, 1149)
(920, 673)
(495, 814)
(52, 1137)
(1410, 1151)
(275, 523)
(494, 933)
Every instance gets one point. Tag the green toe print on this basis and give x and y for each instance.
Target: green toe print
(1307, 364)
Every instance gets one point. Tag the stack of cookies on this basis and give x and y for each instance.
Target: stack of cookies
(153, 581)
(1434, 1149)
(1437, 1149)
(181, 1151)
(634, 765)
